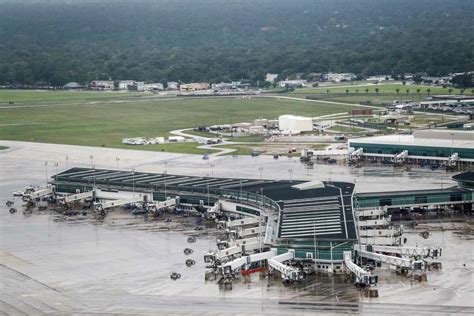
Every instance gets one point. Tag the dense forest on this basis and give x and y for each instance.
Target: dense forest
(54, 42)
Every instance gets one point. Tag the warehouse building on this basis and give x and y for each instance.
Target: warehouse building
(295, 123)
(424, 145)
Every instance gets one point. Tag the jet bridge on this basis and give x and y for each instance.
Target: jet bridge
(356, 155)
(409, 252)
(102, 206)
(33, 194)
(247, 221)
(288, 273)
(363, 278)
(401, 157)
(227, 254)
(249, 232)
(223, 244)
(65, 200)
(233, 266)
(161, 205)
(402, 263)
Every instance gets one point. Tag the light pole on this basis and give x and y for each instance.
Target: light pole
(261, 170)
(208, 198)
(67, 162)
(314, 243)
(212, 165)
(452, 143)
(240, 195)
(118, 163)
(164, 175)
(56, 165)
(133, 181)
(290, 171)
(46, 171)
(343, 205)
(92, 160)
(94, 174)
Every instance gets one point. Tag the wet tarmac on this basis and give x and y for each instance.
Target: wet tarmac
(123, 267)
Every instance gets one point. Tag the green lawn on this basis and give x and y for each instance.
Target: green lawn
(190, 148)
(377, 100)
(106, 123)
(27, 96)
(383, 88)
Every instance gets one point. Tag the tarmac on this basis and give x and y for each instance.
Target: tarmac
(50, 266)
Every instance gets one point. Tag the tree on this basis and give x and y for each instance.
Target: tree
(428, 90)
(450, 91)
(357, 90)
(397, 90)
(347, 91)
(418, 90)
(315, 84)
(461, 91)
(463, 81)
(366, 90)
(377, 90)
(404, 82)
(408, 91)
(327, 91)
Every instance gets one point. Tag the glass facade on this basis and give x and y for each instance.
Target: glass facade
(322, 251)
(401, 199)
(424, 151)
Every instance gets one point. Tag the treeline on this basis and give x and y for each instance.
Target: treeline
(57, 41)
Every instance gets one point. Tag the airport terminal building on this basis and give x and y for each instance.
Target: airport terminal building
(315, 220)
(424, 145)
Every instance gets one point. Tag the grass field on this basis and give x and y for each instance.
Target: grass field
(383, 88)
(23, 96)
(376, 100)
(106, 123)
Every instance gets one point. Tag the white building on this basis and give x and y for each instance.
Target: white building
(153, 86)
(137, 86)
(295, 123)
(124, 84)
(171, 85)
(339, 77)
(271, 77)
(176, 139)
(379, 78)
(101, 85)
(292, 83)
